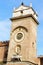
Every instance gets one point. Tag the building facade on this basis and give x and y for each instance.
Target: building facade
(21, 48)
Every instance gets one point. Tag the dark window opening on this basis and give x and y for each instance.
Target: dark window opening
(5, 55)
(33, 44)
(15, 59)
(21, 11)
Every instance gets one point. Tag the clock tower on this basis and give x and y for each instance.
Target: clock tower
(22, 46)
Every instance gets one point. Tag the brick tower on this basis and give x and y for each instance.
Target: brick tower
(22, 46)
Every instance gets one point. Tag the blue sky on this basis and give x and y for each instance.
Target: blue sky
(6, 9)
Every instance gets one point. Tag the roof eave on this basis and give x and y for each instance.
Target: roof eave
(20, 17)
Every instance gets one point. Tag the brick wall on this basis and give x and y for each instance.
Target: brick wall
(3, 49)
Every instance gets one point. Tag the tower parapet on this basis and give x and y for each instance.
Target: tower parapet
(24, 10)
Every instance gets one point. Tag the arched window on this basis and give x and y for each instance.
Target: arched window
(18, 49)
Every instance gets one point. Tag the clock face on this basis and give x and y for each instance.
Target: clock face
(19, 36)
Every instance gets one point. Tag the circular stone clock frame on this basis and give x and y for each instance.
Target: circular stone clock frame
(19, 36)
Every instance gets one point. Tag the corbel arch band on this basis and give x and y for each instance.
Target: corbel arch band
(20, 28)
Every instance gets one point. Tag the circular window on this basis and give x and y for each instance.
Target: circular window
(19, 36)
